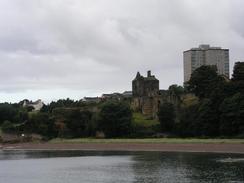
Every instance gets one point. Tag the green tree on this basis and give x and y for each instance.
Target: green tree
(42, 124)
(238, 72)
(8, 127)
(21, 116)
(175, 89)
(7, 112)
(79, 123)
(207, 119)
(166, 115)
(187, 126)
(237, 84)
(204, 81)
(60, 103)
(115, 119)
(199, 119)
(232, 115)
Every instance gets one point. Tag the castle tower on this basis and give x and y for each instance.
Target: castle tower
(144, 91)
(145, 86)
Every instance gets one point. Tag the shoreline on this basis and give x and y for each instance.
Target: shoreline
(150, 147)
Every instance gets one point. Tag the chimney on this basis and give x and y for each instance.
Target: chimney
(148, 73)
(138, 75)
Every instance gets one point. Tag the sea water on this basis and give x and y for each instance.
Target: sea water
(118, 167)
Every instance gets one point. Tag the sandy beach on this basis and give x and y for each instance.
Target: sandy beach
(164, 147)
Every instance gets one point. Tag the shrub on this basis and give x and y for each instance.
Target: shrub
(115, 119)
(8, 127)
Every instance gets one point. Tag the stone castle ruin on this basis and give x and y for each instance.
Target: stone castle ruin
(147, 97)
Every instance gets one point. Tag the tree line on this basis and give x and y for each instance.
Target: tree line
(68, 119)
(218, 108)
(214, 108)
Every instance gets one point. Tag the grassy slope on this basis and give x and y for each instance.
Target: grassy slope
(139, 119)
(149, 140)
(143, 127)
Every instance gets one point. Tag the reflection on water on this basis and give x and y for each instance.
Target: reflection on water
(231, 160)
(88, 167)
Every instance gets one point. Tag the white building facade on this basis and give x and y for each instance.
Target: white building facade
(206, 55)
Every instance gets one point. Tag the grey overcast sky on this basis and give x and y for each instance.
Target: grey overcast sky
(52, 49)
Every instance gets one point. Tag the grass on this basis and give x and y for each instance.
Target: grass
(140, 120)
(143, 127)
(151, 140)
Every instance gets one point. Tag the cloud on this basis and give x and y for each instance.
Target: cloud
(98, 46)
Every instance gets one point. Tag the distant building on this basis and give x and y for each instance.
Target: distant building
(37, 105)
(117, 96)
(91, 99)
(206, 55)
(113, 96)
(127, 94)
